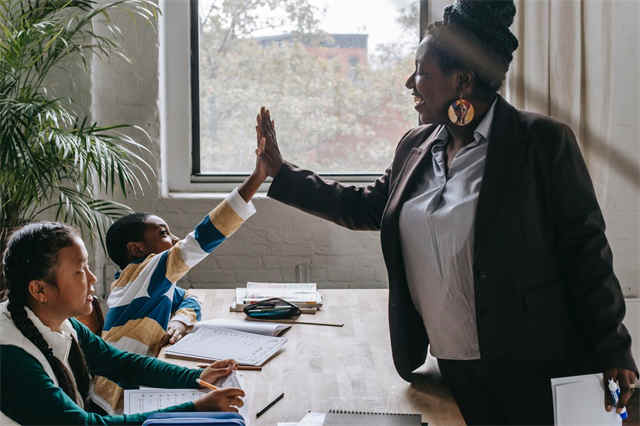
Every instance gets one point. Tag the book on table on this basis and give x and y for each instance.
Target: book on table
(265, 328)
(303, 295)
(247, 343)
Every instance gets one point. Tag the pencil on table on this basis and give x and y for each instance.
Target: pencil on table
(206, 384)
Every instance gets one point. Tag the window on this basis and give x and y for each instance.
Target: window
(331, 71)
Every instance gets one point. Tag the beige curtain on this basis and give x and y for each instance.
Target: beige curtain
(579, 61)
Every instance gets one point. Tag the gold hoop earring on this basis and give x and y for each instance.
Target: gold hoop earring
(461, 112)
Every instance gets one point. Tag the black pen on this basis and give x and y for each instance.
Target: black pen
(269, 405)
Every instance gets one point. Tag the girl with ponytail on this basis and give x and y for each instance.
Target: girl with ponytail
(48, 357)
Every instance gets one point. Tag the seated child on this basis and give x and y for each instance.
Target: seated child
(146, 308)
(47, 357)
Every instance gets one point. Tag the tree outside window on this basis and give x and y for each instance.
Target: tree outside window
(338, 99)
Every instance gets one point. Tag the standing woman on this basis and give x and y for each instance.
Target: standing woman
(491, 232)
(47, 358)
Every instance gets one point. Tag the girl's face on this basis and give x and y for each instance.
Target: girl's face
(71, 294)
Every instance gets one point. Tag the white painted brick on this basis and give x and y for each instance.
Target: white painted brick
(340, 273)
(318, 274)
(238, 262)
(266, 275)
(286, 261)
(210, 276)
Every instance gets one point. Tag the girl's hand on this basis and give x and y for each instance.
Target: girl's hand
(217, 370)
(226, 399)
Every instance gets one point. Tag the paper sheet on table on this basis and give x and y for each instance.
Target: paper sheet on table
(579, 400)
(312, 418)
(151, 399)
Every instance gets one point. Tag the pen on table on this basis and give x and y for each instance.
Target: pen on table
(288, 321)
(206, 384)
(269, 405)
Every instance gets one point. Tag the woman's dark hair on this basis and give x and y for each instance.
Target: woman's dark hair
(31, 254)
(474, 35)
(123, 231)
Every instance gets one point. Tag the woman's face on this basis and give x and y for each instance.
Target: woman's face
(432, 89)
(72, 292)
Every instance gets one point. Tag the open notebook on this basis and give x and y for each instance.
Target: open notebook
(212, 343)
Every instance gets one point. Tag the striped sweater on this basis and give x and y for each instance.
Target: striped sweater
(145, 297)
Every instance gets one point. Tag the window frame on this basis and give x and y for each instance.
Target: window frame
(179, 106)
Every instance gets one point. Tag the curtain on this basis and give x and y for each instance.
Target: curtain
(579, 62)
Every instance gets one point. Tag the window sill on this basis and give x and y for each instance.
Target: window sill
(262, 195)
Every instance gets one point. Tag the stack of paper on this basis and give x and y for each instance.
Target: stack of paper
(579, 400)
(304, 295)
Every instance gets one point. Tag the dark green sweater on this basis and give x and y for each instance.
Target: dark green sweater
(30, 396)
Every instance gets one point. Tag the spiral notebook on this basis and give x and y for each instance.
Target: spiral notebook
(342, 417)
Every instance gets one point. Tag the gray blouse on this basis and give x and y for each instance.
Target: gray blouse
(436, 233)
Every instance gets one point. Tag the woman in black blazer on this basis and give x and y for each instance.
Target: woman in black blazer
(533, 281)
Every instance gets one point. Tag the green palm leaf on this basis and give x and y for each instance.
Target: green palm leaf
(54, 160)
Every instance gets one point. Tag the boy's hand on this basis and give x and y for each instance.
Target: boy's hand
(217, 370)
(175, 331)
(269, 157)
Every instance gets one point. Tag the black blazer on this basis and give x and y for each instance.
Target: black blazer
(544, 283)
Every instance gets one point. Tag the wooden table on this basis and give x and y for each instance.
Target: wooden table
(348, 368)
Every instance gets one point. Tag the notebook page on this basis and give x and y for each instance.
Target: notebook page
(151, 399)
(213, 343)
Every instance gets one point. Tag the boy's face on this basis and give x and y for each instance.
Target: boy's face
(157, 235)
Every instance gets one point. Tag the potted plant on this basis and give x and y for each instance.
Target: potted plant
(54, 161)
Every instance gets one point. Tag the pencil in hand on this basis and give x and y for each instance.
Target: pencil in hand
(206, 384)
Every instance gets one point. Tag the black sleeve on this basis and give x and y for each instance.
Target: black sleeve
(587, 262)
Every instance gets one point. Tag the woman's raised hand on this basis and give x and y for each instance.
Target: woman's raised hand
(269, 158)
(227, 399)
